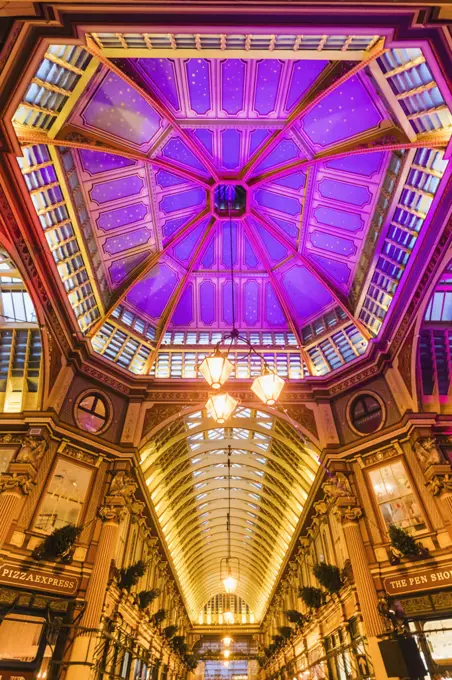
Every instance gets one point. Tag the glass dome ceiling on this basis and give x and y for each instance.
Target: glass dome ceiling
(132, 202)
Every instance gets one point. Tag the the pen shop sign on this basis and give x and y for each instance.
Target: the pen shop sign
(30, 578)
(417, 580)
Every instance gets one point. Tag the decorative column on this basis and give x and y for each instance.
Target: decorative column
(112, 513)
(350, 515)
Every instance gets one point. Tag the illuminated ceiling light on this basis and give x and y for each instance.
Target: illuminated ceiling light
(226, 664)
(268, 387)
(226, 653)
(221, 406)
(216, 369)
(228, 617)
(227, 641)
(230, 584)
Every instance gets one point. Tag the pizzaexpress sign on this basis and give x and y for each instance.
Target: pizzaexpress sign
(30, 578)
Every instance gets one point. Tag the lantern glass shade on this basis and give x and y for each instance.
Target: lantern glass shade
(226, 653)
(268, 387)
(230, 584)
(227, 641)
(221, 406)
(216, 369)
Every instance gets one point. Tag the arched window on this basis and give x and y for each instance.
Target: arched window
(20, 342)
(435, 345)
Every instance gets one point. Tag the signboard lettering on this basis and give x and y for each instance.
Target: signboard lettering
(423, 579)
(30, 578)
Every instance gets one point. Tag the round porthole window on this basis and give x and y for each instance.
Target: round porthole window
(366, 413)
(92, 412)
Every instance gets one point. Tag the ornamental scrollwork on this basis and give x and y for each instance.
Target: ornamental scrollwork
(31, 451)
(112, 513)
(427, 452)
(348, 514)
(16, 482)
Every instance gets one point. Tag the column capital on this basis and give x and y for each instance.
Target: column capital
(439, 478)
(112, 512)
(12, 482)
(346, 513)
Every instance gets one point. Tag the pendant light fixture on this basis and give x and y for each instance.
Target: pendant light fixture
(218, 366)
(229, 566)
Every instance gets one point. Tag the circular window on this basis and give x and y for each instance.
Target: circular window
(366, 413)
(92, 412)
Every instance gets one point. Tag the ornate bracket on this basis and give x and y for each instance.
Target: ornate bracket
(15, 482)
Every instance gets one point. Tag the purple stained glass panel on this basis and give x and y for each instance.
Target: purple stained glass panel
(274, 313)
(177, 150)
(168, 179)
(184, 249)
(226, 295)
(345, 112)
(284, 204)
(206, 138)
(208, 259)
(284, 152)
(207, 302)
(232, 84)
(183, 200)
(366, 164)
(267, 84)
(198, 79)
(173, 225)
(183, 314)
(345, 192)
(251, 302)
(229, 230)
(289, 228)
(161, 73)
(332, 243)
(275, 250)
(152, 294)
(118, 109)
(118, 188)
(295, 181)
(96, 162)
(304, 74)
(336, 271)
(257, 138)
(307, 295)
(120, 268)
(251, 259)
(230, 145)
(113, 219)
(131, 239)
(333, 217)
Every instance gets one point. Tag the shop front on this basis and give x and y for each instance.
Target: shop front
(36, 611)
(425, 597)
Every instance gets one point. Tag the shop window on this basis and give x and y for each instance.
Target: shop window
(92, 412)
(5, 458)
(439, 640)
(65, 496)
(23, 641)
(366, 414)
(396, 500)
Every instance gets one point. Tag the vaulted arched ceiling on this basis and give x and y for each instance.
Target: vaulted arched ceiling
(185, 466)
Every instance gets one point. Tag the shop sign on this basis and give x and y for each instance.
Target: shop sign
(423, 579)
(30, 578)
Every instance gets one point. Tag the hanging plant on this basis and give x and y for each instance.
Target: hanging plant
(179, 644)
(329, 576)
(285, 631)
(403, 542)
(191, 661)
(159, 617)
(261, 660)
(278, 641)
(146, 597)
(312, 597)
(295, 617)
(130, 576)
(170, 631)
(58, 544)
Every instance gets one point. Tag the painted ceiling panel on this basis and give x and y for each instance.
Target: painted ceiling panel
(120, 111)
(347, 111)
(201, 121)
